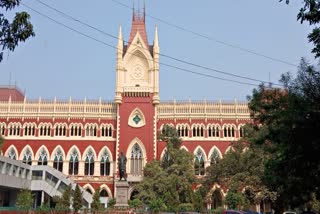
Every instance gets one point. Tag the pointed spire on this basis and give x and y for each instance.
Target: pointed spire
(120, 39)
(156, 39)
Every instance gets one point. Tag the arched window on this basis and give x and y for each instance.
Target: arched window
(216, 199)
(228, 131)
(27, 157)
(183, 130)
(104, 193)
(106, 131)
(91, 130)
(45, 130)
(74, 163)
(136, 160)
(197, 131)
(213, 131)
(199, 163)
(58, 160)
(89, 163)
(29, 129)
(75, 130)
(89, 191)
(14, 129)
(12, 154)
(215, 157)
(61, 130)
(43, 157)
(241, 131)
(105, 163)
(2, 128)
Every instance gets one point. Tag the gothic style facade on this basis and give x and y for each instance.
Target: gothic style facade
(83, 139)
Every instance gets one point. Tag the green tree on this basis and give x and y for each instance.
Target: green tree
(234, 200)
(168, 183)
(96, 206)
(1, 142)
(77, 200)
(24, 200)
(11, 33)
(64, 202)
(287, 123)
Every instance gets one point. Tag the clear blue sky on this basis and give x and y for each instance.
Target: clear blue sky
(61, 63)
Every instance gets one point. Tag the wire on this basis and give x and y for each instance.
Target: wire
(164, 55)
(112, 46)
(211, 38)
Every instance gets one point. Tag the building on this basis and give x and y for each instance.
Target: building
(83, 139)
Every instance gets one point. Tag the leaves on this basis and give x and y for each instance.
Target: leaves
(24, 200)
(11, 34)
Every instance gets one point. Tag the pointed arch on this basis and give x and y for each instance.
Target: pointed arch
(185, 148)
(212, 156)
(58, 156)
(42, 155)
(228, 149)
(136, 118)
(89, 156)
(73, 156)
(88, 187)
(86, 151)
(12, 152)
(27, 155)
(136, 155)
(163, 153)
(199, 159)
(105, 161)
(106, 188)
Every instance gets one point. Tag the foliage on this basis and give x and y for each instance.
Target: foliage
(310, 12)
(168, 183)
(135, 203)
(287, 127)
(45, 207)
(19, 30)
(96, 206)
(1, 142)
(234, 200)
(185, 207)
(77, 200)
(63, 203)
(111, 203)
(24, 200)
(240, 169)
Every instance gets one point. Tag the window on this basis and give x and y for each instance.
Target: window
(29, 129)
(228, 131)
(75, 130)
(105, 163)
(43, 157)
(12, 154)
(91, 130)
(106, 131)
(199, 163)
(136, 160)
(14, 129)
(183, 130)
(241, 131)
(213, 131)
(197, 131)
(27, 157)
(2, 128)
(45, 130)
(58, 160)
(74, 163)
(61, 130)
(215, 157)
(89, 163)
(104, 193)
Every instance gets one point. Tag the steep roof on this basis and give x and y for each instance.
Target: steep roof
(138, 25)
(9, 91)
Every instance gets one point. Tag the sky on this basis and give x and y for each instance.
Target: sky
(61, 63)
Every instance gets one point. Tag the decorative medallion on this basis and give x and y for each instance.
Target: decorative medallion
(136, 119)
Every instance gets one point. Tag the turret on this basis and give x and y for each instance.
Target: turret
(156, 52)
(119, 66)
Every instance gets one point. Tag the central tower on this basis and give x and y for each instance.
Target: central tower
(137, 69)
(137, 96)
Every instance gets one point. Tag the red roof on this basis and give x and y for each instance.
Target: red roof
(13, 92)
(138, 25)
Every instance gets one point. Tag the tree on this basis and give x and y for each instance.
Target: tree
(96, 205)
(77, 199)
(63, 202)
(168, 183)
(287, 124)
(241, 168)
(1, 142)
(24, 200)
(19, 30)
(310, 12)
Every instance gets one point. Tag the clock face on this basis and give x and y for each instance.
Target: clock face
(137, 73)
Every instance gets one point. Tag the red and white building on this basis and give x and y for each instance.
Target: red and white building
(83, 139)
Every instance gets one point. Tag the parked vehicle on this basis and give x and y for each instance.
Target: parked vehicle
(289, 212)
(233, 212)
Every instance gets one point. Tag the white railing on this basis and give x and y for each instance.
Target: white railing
(203, 109)
(56, 108)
